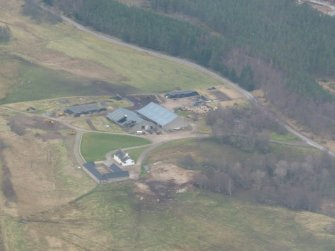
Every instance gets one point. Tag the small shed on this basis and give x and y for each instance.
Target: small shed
(181, 94)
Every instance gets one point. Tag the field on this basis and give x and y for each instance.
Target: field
(204, 149)
(38, 170)
(46, 60)
(32, 82)
(113, 217)
(95, 145)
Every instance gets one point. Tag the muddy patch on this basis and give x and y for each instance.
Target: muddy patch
(220, 96)
(19, 124)
(164, 182)
(139, 101)
(106, 88)
(6, 182)
(164, 172)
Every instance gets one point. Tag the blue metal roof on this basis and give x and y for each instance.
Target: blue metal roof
(115, 172)
(157, 114)
(90, 166)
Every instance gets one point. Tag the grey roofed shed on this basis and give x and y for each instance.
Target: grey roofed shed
(157, 114)
(124, 117)
(84, 109)
(181, 94)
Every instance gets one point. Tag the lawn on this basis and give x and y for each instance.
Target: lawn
(111, 216)
(94, 146)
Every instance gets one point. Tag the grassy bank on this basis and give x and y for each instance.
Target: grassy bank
(114, 217)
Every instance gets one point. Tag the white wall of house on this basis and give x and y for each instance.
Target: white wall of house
(129, 162)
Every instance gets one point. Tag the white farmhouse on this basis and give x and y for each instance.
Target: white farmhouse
(123, 158)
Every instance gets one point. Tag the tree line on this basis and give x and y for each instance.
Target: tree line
(298, 185)
(246, 128)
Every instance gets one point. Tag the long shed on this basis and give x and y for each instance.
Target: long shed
(78, 110)
(181, 94)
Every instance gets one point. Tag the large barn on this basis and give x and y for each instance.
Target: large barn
(162, 117)
(129, 119)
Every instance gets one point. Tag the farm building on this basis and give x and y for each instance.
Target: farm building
(111, 173)
(162, 117)
(181, 94)
(123, 158)
(78, 110)
(129, 119)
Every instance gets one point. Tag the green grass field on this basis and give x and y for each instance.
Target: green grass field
(204, 149)
(34, 82)
(94, 146)
(138, 69)
(47, 61)
(284, 137)
(111, 216)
